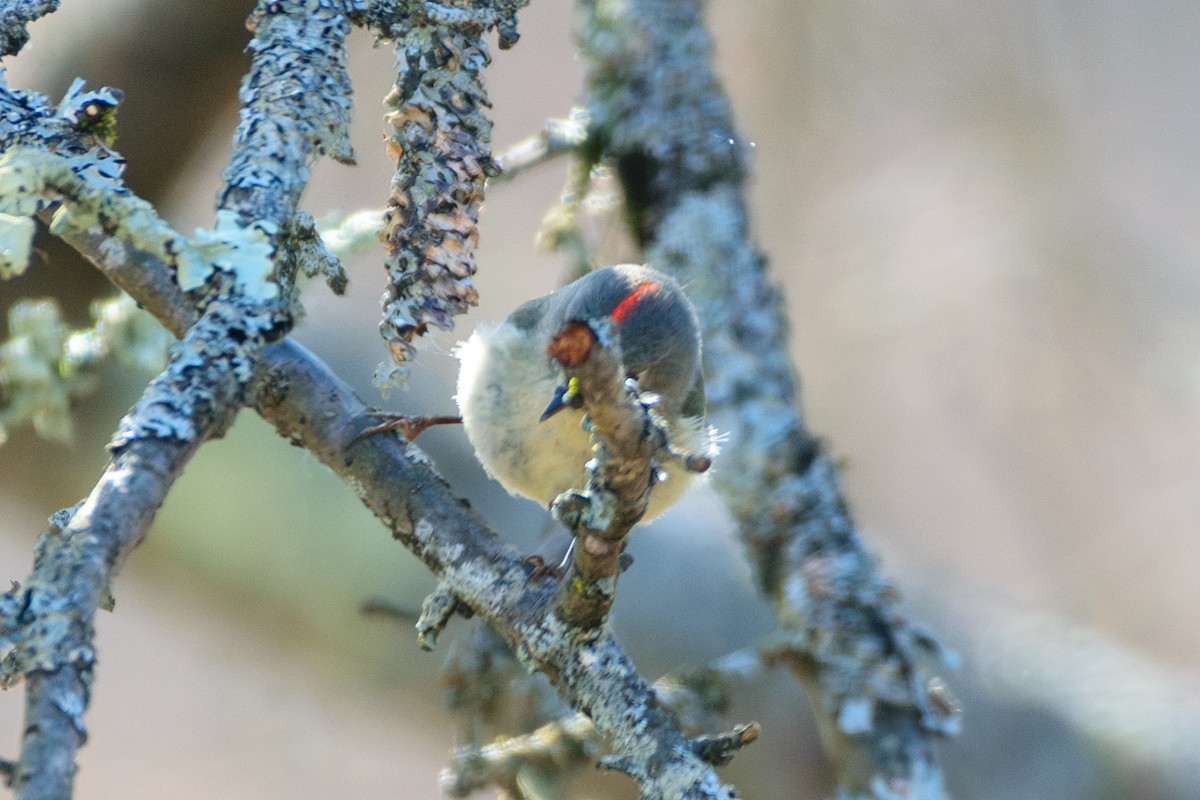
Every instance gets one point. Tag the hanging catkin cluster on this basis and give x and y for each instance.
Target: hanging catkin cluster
(440, 144)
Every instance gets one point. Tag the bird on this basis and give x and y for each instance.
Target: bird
(510, 392)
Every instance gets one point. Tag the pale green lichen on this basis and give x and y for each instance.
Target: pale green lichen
(20, 182)
(29, 174)
(129, 333)
(44, 366)
(353, 233)
(16, 244)
(244, 252)
(31, 386)
(22, 176)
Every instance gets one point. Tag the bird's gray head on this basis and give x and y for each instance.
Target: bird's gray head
(658, 330)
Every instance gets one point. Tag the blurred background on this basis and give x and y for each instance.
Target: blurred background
(984, 219)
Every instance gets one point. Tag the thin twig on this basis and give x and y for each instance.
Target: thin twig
(556, 138)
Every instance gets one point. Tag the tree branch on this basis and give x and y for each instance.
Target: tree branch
(694, 697)
(557, 137)
(15, 15)
(48, 621)
(295, 104)
(301, 41)
(513, 761)
(660, 114)
(627, 440)
(310, 406)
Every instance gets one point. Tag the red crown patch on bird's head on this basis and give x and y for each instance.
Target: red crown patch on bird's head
(626, 306)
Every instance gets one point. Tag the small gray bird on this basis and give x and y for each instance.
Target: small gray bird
(510, 393)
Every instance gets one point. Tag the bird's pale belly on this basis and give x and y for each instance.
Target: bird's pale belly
(504, 385)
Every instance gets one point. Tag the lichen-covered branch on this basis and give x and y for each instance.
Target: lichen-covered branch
(310, 406)
(295, 87)
(32, 178)
(79, 199)
(74, 126)
(660, 116)
(626, 441)
(14, 16)
(295, 106)
(535, 759)
(46, 624)
(312, 255)
(57, 163)
(518, 761)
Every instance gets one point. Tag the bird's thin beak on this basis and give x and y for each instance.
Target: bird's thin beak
(564, 397)
(556, 405)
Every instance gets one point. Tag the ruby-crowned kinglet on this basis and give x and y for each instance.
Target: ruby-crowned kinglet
(511, 393)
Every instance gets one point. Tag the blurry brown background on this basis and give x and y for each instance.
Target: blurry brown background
(985, 220)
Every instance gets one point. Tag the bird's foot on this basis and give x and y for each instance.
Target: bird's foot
(409, 426)
(539, 568)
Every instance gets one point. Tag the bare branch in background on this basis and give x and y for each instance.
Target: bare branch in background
(556, 138)
(660, 115)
